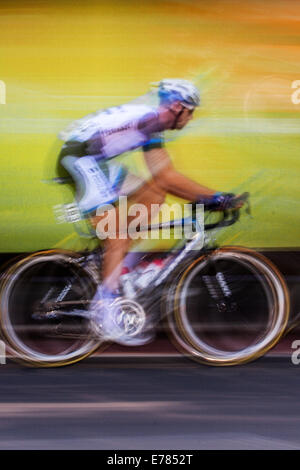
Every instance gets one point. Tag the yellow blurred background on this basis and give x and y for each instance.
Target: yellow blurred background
(61, 60)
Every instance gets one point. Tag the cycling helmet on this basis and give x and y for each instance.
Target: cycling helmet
(177, 89)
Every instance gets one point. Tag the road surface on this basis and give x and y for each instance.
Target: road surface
(151, 404)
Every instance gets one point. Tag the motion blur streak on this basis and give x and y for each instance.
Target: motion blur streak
(64, 60)
(68, 409)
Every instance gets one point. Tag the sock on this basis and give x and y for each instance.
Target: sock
(104, 292)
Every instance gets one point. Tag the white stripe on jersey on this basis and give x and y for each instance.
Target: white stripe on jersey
(117, 128)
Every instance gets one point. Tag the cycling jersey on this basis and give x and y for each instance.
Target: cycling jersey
(116, 130)
(99, 137)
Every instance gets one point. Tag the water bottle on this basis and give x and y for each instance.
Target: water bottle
(141, 276)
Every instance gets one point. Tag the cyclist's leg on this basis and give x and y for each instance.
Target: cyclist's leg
(93, 187)
(100, 184)
(116, 248)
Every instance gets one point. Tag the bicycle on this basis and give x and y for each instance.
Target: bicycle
(221, 306)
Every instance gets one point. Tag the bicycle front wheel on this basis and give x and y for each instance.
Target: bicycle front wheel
(229, 307)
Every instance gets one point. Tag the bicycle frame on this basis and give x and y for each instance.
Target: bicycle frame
(177, 254)
(199, 238)
(181, 250)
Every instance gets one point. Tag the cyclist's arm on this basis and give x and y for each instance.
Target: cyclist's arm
(165, 175)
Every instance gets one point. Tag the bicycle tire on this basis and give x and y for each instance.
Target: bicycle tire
(19, 294)
(247, 268)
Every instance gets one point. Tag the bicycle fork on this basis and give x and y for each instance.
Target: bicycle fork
(219, 290)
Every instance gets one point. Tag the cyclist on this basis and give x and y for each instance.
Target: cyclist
(88, 153)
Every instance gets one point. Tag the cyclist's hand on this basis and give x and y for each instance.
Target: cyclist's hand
(238, 203)
(225, 201)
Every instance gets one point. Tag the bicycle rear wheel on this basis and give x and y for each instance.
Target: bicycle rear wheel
(228, 307)
(31, 286)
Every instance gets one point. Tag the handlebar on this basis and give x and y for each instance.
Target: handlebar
(229, 216)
